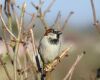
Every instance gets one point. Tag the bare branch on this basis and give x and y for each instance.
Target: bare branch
(31, 24)
(7, 8)
(58, 16)
(35, 49)
(33, 65)
(67, 19)
(18, 7)
(5, 26)
(52, 65)
(4, 37)
(40, 14)
(94, 12)
(33, 42)
(41, 2)
(44, 23)
(5, 68)
(35, 6)
(7, 11)
(7, 47)
(16, 18)
(79, 57)
(57, 22)
(96, 23)
(49, 7)
(70, 77)
(17, 44)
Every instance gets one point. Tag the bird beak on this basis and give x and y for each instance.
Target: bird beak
(59, 32)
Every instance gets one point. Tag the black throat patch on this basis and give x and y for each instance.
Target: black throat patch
(53, 41)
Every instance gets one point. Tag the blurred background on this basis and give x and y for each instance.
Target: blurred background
(79, 32)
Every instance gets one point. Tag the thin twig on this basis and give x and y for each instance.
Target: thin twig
(38, 61)
(31, 24)
(70, 77)
(8, 14)
(57, 22)
(44, 23)
(29, 57)
(41, 15)
(79, 57)
(40, 6)
(33, 42)
(16, 18)
(67, 19)
(26, 69)
(33, 66)
(49, 7)
(7, 7)
(5, 68)
(7, 48)
(94, 12)
(17, 44)
(4, 37)
(96, 23)
(58, 17)
(33, 45)
(5, 26)
(18, 7)
(35, 6)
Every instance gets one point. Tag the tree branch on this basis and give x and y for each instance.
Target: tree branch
(49, 7)
(52, 65)
(5, 26)
(5, 68)
(96, 23)
(57, 22)
(66, 20)
(69, 74)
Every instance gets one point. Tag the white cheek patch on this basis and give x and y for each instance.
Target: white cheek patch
(53, 36)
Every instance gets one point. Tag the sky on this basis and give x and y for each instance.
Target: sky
(82, 10)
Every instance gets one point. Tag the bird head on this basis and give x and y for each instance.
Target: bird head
(52, 34)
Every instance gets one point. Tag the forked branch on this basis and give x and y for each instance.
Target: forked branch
(69, 74)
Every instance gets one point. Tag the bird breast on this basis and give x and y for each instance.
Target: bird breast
(49, 51)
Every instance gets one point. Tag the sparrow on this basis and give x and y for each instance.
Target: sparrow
(49, 46)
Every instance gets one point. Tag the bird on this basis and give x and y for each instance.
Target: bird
(49, 45)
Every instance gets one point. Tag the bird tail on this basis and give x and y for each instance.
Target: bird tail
(40, 69)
